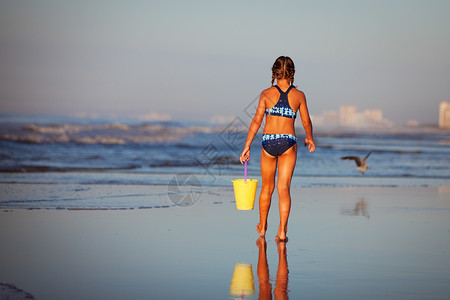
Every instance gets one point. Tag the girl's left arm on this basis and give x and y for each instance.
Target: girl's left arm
(307, 124)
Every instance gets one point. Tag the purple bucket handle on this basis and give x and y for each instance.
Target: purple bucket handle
(245, 172)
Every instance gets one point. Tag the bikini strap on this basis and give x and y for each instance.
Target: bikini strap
(281, 92)
(278, 88)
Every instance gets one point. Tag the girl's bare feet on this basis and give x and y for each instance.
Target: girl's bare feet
(261, 242)
(261, 231)
(280, 240)
(281, 236)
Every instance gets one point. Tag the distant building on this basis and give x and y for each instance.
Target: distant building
(375, 115)
(347, 115)
(412, 123)
(444, 115)
(331, 117)
(350, 117)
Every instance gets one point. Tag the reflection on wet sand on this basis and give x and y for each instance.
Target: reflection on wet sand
(361, 209)
(281, 283)
(265, 288)
(242, 283)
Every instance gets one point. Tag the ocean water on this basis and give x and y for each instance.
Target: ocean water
(51, 150)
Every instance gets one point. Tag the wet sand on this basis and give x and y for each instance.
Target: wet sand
(344, 243)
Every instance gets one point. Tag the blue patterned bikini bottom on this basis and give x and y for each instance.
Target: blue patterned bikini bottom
(277, 144)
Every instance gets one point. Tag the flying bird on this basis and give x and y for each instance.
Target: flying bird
(361, 166)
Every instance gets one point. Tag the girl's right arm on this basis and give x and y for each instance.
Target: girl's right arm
(254, 127)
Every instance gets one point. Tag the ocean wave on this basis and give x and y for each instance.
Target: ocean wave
(45, 169)
(53, 129)
(225, 160)
(368, 148)
(25, 138)
(72, 128)
(109, 133)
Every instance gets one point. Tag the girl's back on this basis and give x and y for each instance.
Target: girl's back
(280, 124)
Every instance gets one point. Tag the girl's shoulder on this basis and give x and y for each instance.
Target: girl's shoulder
(297, 93)
(270, 90)
(269, 93)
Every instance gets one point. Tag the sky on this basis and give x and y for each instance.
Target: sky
(204, 60)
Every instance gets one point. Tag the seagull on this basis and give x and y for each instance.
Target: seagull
(361, 166)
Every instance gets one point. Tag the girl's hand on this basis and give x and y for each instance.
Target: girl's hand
(310, 144)
(245, 155)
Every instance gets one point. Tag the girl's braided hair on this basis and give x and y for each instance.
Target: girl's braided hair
(283, 68)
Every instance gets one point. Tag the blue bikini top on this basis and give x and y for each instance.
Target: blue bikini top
(282, 108)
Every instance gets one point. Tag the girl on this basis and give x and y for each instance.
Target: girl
(280, 103)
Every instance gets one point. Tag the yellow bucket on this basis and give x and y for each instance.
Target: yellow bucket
(242, 282)
(244, 193)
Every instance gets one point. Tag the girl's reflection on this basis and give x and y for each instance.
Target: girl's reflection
(281, 283)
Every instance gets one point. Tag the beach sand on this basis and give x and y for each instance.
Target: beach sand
(344, 243)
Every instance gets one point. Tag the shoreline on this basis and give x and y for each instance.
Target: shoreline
(72, 196)
(344, 243)
(102, 196)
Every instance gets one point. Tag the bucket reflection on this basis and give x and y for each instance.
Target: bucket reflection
(242, 283)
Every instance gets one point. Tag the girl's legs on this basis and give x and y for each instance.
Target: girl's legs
(268, 169)
(286, 165)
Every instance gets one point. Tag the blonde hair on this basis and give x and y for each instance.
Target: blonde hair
(283, 68)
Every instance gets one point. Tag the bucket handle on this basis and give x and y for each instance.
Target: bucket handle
(245, 172)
